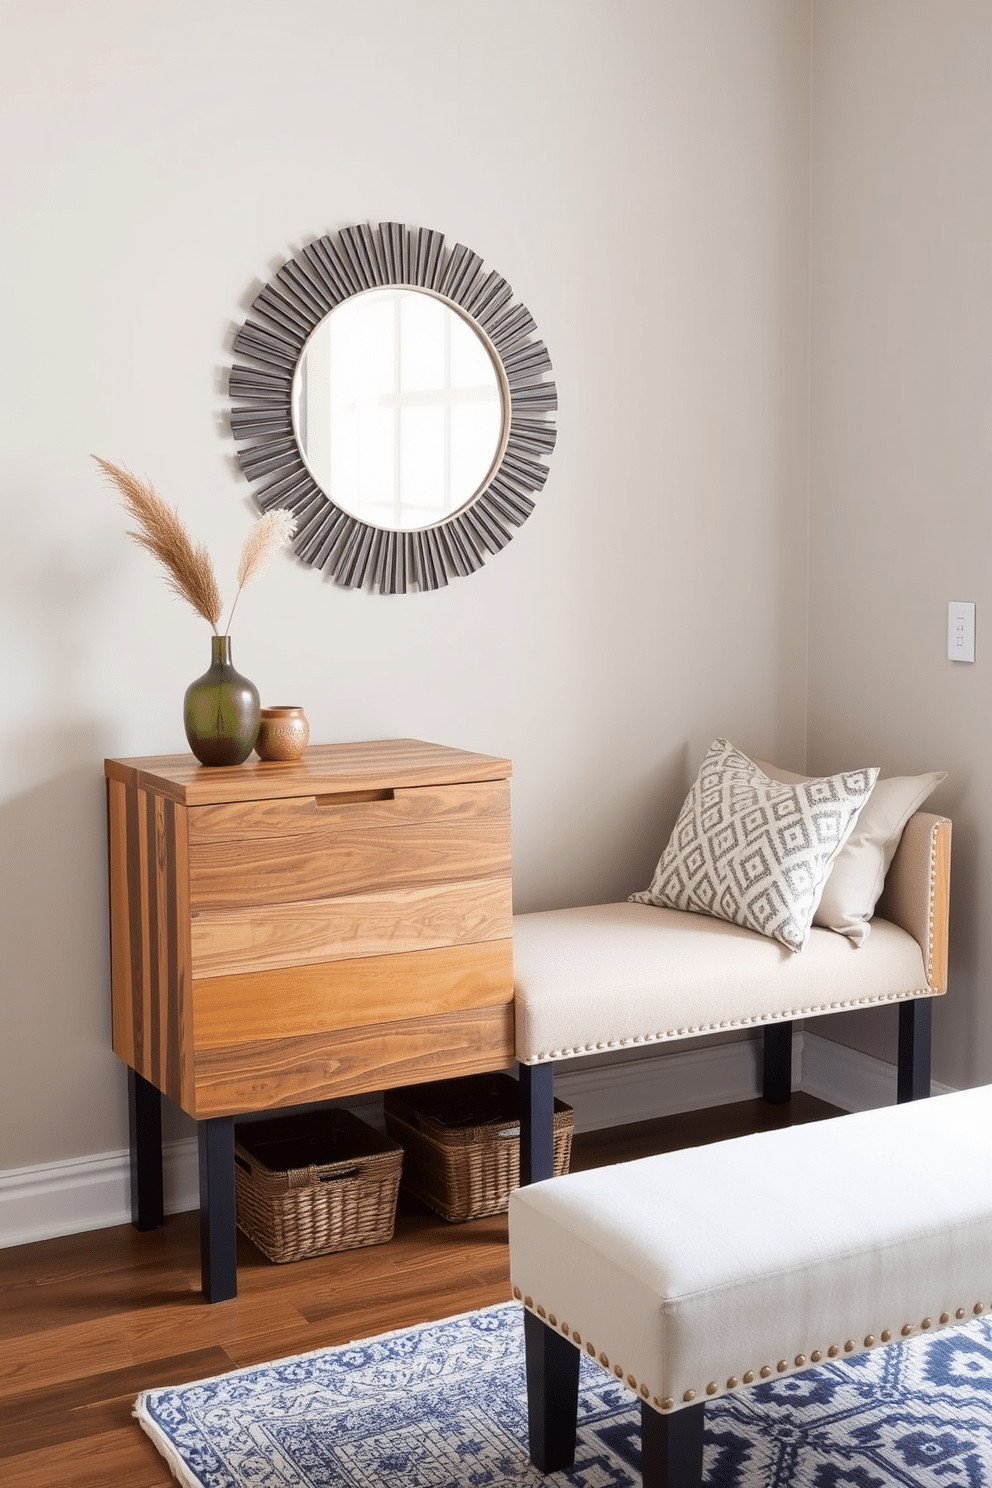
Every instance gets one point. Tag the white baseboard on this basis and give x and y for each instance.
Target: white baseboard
(845, 1078)
(645, 1088)
(92, 1193)
(63, 1198)
(88, 1193)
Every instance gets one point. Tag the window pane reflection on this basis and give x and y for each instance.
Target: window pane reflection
(398, 408)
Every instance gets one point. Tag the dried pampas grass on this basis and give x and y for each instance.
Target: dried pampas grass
(188, 569)
(269, 533)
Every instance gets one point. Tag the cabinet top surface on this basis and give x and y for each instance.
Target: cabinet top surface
(323, 769)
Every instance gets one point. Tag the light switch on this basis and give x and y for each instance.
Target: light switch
(960, 630)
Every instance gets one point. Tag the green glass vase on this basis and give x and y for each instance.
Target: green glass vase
(221, 710)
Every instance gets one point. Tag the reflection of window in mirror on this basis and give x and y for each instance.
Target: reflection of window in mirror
(398, 408)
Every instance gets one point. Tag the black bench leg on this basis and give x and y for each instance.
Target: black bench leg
(537, 1122)
(672, 1448)
(776, 1072)
(552, 1395)
(144, 1112)
(915, 1020)
(218, 1223)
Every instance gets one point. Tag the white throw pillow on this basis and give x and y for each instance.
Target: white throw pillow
(753, 850)
(856, 880)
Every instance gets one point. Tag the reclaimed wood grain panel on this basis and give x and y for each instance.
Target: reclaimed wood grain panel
(228, 942)
(122, 986)
(328, 997)
(328, 862)
(323, 769)
(150, 948)
(291, 1071)
(290, 816)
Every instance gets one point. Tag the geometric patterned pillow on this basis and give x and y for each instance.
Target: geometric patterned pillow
(857, 875)
(753, 850)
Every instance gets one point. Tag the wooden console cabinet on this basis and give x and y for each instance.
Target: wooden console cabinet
(287, 933)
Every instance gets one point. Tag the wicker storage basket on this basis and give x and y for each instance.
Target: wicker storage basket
(308, 1185)
(461, 1142)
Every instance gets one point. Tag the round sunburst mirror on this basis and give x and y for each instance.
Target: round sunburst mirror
(398, 402)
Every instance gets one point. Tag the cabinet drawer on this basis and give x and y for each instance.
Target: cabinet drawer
(318, 847)
(336, 995)
(313, 1067)
(265, 937)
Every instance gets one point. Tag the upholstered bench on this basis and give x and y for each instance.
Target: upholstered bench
(627, 975)
(705, 1271)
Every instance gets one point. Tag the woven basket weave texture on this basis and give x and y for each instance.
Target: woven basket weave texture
(461, 1142)
(308, 1185)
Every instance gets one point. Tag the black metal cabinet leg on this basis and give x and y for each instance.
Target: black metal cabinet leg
(537, 1122)
(776, 1073)
(672, 1448)
(218, 1224)
(915, 1022)
(552, 1395)
(144, 1113)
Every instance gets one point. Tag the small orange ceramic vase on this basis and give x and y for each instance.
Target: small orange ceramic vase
(283, 733)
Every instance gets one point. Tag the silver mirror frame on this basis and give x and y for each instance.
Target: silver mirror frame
(283, 315)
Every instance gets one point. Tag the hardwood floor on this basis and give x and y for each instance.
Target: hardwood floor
(87, 1321)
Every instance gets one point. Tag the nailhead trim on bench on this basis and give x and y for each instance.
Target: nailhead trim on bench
(671, 1034)
(933, 881)
(748, 1377)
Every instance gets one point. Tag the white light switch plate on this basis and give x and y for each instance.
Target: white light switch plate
(960, 630)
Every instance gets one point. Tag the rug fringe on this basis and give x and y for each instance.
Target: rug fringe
(162, 1444)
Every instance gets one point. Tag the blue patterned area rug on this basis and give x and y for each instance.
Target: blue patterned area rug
(445, 1404)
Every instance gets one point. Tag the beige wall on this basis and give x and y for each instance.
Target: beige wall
(638, 169)
(902, 441)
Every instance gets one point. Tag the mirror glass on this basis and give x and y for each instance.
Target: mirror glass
(398, 408)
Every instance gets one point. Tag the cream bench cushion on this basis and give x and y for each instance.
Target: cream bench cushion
(702, 1271)
(612, 975)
